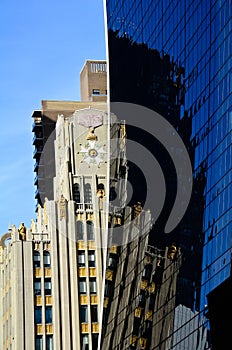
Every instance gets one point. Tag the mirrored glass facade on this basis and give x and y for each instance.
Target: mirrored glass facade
(197, 35)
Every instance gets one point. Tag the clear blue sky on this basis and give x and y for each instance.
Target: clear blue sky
(44, 44)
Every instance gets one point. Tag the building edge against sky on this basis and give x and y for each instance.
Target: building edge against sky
(59, 256)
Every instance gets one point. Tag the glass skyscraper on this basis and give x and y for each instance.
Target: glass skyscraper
(197, 36)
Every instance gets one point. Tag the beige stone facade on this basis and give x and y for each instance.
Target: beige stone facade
(51, 272)
(93, 81)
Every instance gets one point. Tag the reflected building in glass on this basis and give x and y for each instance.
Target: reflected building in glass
(194, 39)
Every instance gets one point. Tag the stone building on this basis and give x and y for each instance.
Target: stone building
(51, 272)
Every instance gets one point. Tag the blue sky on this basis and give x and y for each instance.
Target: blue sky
(44, 44)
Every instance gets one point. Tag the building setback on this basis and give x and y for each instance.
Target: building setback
(44, 122)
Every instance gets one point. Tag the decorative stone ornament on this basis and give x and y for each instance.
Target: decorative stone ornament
(93, 152)
(91, 136)
(22, 231)
(62, 207)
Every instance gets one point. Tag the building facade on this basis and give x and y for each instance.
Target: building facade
(52, 272)
(93, 93)
(196, 35)
(93, 81)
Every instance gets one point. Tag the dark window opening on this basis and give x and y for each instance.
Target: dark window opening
(90, 230)
(84, 314)
(48, 314)
(36, 259)
(94, 313)
(80, 230)
(38, 314)
(76, 193)
(88, 193)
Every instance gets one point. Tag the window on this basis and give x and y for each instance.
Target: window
(38, 342)
(108, 289)
(80, 230)
(96, 92)
(36, 258)
(141, 299)
(94, 341)
(48, 314)
(88, 193)
(90, 230)
(94, 313)
(82, 285)
(38, 314)
(47, 259)
(146, 272)
(48, 286)
(84, 342)
(81, 258)
(112, 262)
(76, 193)
(84, 314)
(93, 285)
(37, 287)
(91, 258)
(49, 342)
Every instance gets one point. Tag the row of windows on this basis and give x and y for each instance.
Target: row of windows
(38, 314)
(47, 286)
(82, 284)
(87, 193)
(81, 258)
(37, 259)
(85, 341)
(80, 230)
(77, 194)
(96, 67)
(84, 313)
(39, 342)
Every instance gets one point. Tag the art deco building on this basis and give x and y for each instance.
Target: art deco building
(52, 272)
(93, 93)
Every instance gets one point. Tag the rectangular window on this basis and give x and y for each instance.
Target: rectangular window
(49, 342)
(82, 285)
(37, 287)
(48, 286)
(36, 258)
(94, 313)
(91, 258)
(48, 314)
(93, 285)
(84, 342)
(47, 259)
(84, 314)
(38, 314)
(38, 342)
(94, 341)
(81, 258)
(96, 92)
(108, 289)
